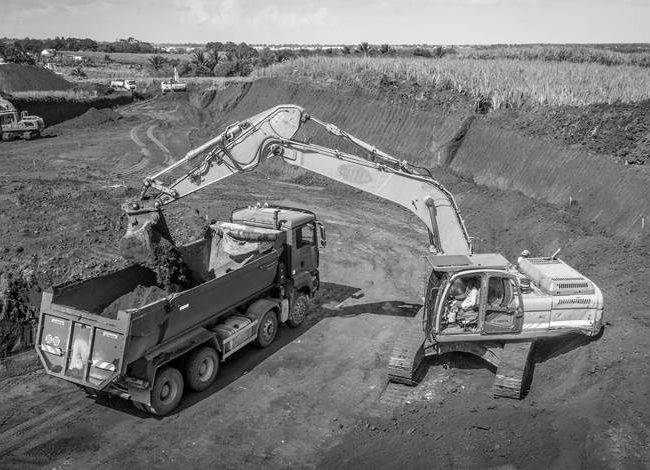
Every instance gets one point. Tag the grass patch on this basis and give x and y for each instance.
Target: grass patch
(504, 82)
(559, 53)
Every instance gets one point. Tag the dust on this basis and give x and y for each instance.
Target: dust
(138, 297)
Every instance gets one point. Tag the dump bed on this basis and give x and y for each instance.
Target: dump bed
(78, 343)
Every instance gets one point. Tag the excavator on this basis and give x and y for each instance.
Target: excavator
(477, 303)
(14, 125)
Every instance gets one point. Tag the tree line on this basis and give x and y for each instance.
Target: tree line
(18, 50)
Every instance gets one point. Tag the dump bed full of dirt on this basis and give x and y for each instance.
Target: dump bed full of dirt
(138, 297)
(16, 77)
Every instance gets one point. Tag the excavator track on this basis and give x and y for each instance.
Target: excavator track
(512, 370)
(405, 363)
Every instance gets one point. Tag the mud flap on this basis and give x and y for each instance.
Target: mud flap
(512, 371)
(405, 363)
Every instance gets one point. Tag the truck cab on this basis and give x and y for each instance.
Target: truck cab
(305, 236)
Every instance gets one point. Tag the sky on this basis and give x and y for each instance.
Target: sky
(332, 21)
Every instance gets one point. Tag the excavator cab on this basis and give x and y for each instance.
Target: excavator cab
(491, 304)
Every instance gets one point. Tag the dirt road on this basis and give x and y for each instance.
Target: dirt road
(318, 396)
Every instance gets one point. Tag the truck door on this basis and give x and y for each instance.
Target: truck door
(502, 305)
(305, 251)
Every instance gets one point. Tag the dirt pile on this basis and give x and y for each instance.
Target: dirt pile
(95, 117)
(172, 273)
(15, 77)
(621, 130)
(19, 300)
(137, 298)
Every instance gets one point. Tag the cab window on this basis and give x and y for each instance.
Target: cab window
(305, 236)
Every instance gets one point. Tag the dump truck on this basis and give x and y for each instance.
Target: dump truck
(251, 274)
(123, 85)
(478, 303)
(16, 126)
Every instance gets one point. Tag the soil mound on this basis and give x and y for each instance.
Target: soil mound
(620, 129)
(16, 77)
(138, 297)
(172, 274)
(95, 117)
(19, 299)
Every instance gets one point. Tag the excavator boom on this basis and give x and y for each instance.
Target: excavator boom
(244, 145)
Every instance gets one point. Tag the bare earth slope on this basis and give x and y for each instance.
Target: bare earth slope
(318, 397)
(15, 77)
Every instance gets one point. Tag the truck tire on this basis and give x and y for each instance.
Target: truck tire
(299, 311)
(201, 368)
(267, 329)
(166, 392)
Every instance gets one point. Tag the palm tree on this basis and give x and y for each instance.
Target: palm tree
(157, 62)
(364, 47)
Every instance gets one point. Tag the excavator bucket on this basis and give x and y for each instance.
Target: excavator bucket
(145, 230)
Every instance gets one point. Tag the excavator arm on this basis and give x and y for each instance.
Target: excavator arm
(244, 145)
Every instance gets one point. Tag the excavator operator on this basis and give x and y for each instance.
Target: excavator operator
(463, 308)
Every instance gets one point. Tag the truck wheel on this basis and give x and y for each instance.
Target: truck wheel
(267, 329)
(166, 392)
(299, 311)
(201, 368)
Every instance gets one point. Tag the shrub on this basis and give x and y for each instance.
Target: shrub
(226, 68)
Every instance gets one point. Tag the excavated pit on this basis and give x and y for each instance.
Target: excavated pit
(602, 192)
(587, 402)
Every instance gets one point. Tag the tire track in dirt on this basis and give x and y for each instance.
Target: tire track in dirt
(31, 432)
(150, 135)
(156, 117)
(144, 151)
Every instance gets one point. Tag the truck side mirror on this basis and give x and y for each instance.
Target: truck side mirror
(322, 238)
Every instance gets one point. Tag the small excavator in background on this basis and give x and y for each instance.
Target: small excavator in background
(512, 305)
(16, 126)
(173, 84)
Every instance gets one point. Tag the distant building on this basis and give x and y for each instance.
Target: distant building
(48, 53)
